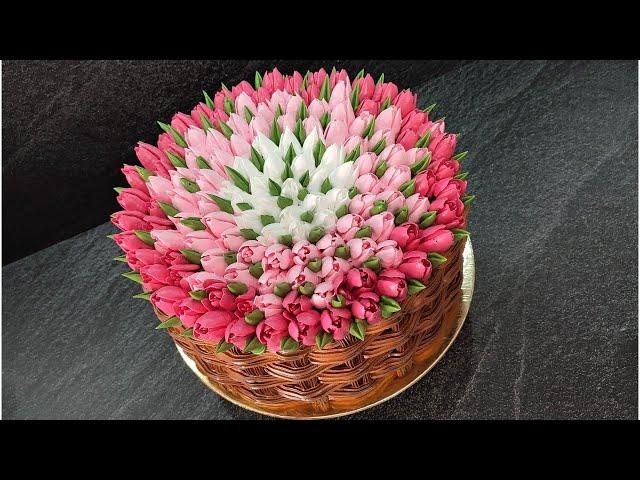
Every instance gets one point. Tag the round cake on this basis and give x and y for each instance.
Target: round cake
(299, 238)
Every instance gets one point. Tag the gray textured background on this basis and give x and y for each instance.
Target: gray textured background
(552, 331)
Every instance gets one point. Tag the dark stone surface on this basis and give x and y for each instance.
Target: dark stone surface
(68, 126)
(552, 331)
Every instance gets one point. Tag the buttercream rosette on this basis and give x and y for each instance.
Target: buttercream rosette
(294, 212)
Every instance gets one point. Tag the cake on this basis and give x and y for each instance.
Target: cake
(301, 238)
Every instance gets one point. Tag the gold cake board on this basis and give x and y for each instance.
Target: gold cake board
(440, 344)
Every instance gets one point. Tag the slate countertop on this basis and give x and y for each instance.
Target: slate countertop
(552, 330)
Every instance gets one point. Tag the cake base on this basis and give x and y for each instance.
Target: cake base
(438, 346)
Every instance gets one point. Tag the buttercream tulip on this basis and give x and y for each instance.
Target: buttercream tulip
(348, 226)
(333, 268)
(232, 239)
(416, 264)
(251, 252)
(366, 163)
(273, 81)
(393, 199)
(323, 294)
(389, 253)
(361, 205)
(394, 177)
(272, 331)
(189, 311)
(368, 183)
(446, 185)
(407, 138)
(167, 142)
(367, 307)
(340, 76)
(173, 257)
(389, 120)
(199, 280)
(406, 102)
(361, 123)
(305, 327)
(417, 206)
(130, 220)
(269, 279)
(179, 272)
(449, 210)
(218, 295)
(200, 110)
(385, 90)
(293, 83)
(200, 241)
(239, 332)
(213, 260)
(134, 179)
(155, 276)
(269, 304)
(211, 326)
(160, 189)
(143, 257)
(128, 241)
(294, 303)
(244, 302)
(370, 106)
(243, 87)
(299, 274)
(414, 120)
(360, 279)
(381, 226)
(304, 251)
(367, 86)
(336, 132)
(166, 298)
(391, 283)
(133, 199)
(157, 223)
(443, 150)
(425, 181)
(239, 272)
(336, 321)
(153, 159)
(277, 257)
(433, 239)
(395, 156)
(404, 234)
(327, 244)
(361, 250)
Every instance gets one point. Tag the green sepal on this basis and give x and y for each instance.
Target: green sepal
(353, 154)
(208, 101)
(325, 119)
(401, 215)
(202, 163)
(315, 265)
(460, 156)
(281, 289)
(278, 111)
(353, 191)
(290, 155)
(174, 133)
(318, 151)
(170, 322)
(143, 172)
(338, 301)
(436, 259)
(189, 186)
(364, 232)
(254, 318)
(286, 240)
(254, 346)
(326, 186)
(230, 257)
(225, 129)
(325, 93)
(386, 104)
(168, 209)
(384, 300)
(121, 258)
(256, 159)
(228, 106)
(175, 160)
(380, 79)
(459, 234)
(379, 206)
(302, 111)
(373, 263)
(302, 193)
(315, 234)
(257, 80)
(143, 295)
(299, 131)
(429, 108)
(198, 294)
(343, 251)
(408, 188)
(368, 130)
(145, 237)
(415, 286)
(248, 114)
(426, 219)
(237, 288)
(267, 220)
(358, 328)
(206, 123)
(238, 179)
(307, 216)
(342, 211)
(307, 288)
(287, 172)
(192, 256)
(462, 176)
(424, 140)
(381, 168)
(223, 346)
(248, 233)
(135, 276)
(274, 189)
(421, 164)
(188, 333)
(467, 199)
(244, 206)
(323, 339)
(284, 202)
(223, 204)
(256, 270)
(359, 75)
(193, 223)
(379, 146)
(288, 345)
(355, 97)
(275, 132)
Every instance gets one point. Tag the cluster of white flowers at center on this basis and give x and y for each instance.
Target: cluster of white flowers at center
(270, 215)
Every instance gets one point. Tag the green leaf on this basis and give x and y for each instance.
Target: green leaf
(206, 123)
(379, 146)
(188, 333)
(460, 156)
(223, 204)
(248, 233)
(287, 172)
(318, 151)
(168, 209)
(353, 154)
(288, 345)
(248, 114)
(342, 211)
(380, 79)
(426, 219)
(175, 160)
(326, 186)
(307, 216)
(364, 232)
(225, 129)
(459, 234)
(257, 81)
(353, 191)
(145, 237)
(228, 106)
(223, 346)
(315, 234)
(193, 223)
(325, 119)
(368, 130)
(256, 270)
(174, 133)
(415, 286)
(278, 111)
(302, 193)
(275, 132)
(143, 172)
(143, 295)
(381, 168)
(284, 202)
(421, 164)
(355, 97)
(286, 240)
(343, 251)
(208, 101)
(359, 75)
(253, 345)
(424, 140)
(467, 199)
(267, 220)
(409, 188)
(299, 131)
(274, 188)
(244, 206)
(325, 92)
(202, 163)
(379, 206)
(436, 259)
(461, 176)
(390, 302)
(237, 288)
(387, 311)
(323, 339)
(290, 155)
(315, 265)
(304, 179)
(238, 179)
(429, 108)
(386, 104)
(281, 289)
(170, 322)
(401, 215)
(254, 318)
(121, 258)
(189, 186)
(198, 294)
(302, 111)
(358, 328)
(230, 257)
(192, 256)
(256, 159)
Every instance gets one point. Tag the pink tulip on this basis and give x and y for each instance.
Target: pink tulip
(404, 234)
(269, 304)
(130, 220)
(395, 155)
(294, 303)
(200, 241)
(391, 283)
(327, 245)
(323, 294)
(417, 206)
(269, 278)
(361, 279)
(370, 106)
(394, 177)
(433, 239)
(272, 331)
(389, 254)
(133, 199)
(178, 273)
(442, 187)
(218, 295)
(189, 311)
(153, 159)
(413, 120)
(160, 189)
(155, 276)
(239, 272)
(251, 252)
(361, 250)
(367, 86)
(394, 199)
(299, 274)
(367, 307)
(304, 251)
(213, 261)
(167, 142)
(201, 109)
(277, 257)
(158, 223)
(166, 298)
(361, 205)
(211, 326)
(366, 163)
(368, 183)
(384, 91)
(406, 102)
(128, 241)
(134, 179)
(143, 257)
(416, 264)
(305, 327)
(244, 303)
(333, 269)
(443, 150)
(166, 240)
(381, 225)
(336, 321)
(232, 239)
(336, 132)
(199, 280)
(425, 181)
(407, 138)
(348, 226)
(389, 120)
